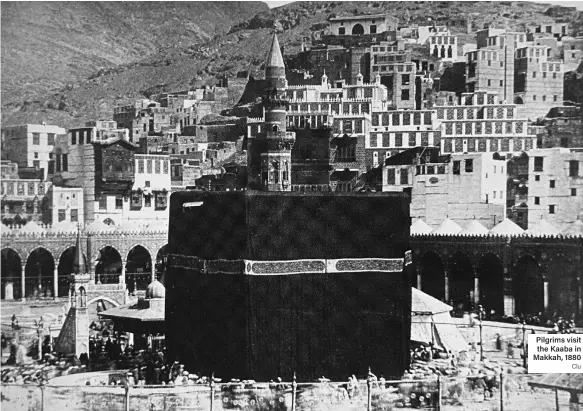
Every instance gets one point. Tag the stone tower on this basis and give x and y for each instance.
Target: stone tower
(74, 335)
(271, 159)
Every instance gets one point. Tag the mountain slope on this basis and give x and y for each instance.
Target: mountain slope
(173, 67)
(46, 45)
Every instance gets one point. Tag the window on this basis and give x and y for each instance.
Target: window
(456, 167)
(545, 74)
(36, 155)
(73, 137)
(118, 202)
(36, 139)
(149, 166)
(534, 74)
(489, 82)
(58, 162)
(573, 168)
(74, 215)
(391, 176)
(161, 200)
(537, 178)
(469, 165)
(537, 201)
(51, 139)
(404, 176)
(62, 215)
(157, 166)
(552, 209)
(148, 201)
(405, 80)
(65, 162)
(554, 98)
(341, 31)
(534, 97)
(554, 75)
(36, 164)
(405, 95)
(373, 29)
(538, 163)
(147, 184)
(494, 194)
(552, 183)
(573, 192)
(103, 202)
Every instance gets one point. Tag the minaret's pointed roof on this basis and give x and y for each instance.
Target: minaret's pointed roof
(78, 259)
(274, 59)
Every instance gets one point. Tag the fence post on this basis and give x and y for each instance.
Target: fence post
(502, 390)
(127, 396)
(212, 386)
(557, 399)
(369, 391)
(294, 392)
(439, 394)
(42, 396)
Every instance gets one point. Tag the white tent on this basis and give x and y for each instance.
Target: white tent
(431, 322)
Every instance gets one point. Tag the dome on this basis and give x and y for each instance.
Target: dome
(31, 228)
(542, 227)
(420, 227)
(127, 227)
(155, 290)
(97, 227)
(507, 227)
(447, 226)
(474, 228)
(63, 227)
(576, 229)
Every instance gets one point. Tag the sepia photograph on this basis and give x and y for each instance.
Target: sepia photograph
(291, 205)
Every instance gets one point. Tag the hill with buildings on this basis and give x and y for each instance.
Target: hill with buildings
(55, 46)
(90, 57)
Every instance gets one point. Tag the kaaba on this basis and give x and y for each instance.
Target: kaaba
(263, 285)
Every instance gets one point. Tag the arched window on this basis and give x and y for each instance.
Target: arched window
(357, 30)
(275, 128)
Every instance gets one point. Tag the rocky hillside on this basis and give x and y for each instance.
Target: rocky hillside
(48, 45)
(140, 52)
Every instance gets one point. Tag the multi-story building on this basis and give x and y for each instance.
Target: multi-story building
(555, 190)
(491, 67)
(394, 131)
(398, 74)
(481, 124)
(64, 204)
(23, 200)
(30, 145)
(117, 184)
(538, 82)
(463, 187)
(555, 29)
(443, 45)
(571, 52)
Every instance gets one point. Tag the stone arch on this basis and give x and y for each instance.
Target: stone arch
(38, 273)
(108, 221)
(528, 285)
(64, 269)
(105, 298)
(490, 272)
(461, 281)
(357, 30)
(449, 52)
(518, 100)
(109, 265)
(431, 269)
(138, 267)
(11, 272)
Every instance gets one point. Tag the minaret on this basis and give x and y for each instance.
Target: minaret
(74, 335)
(276, 148)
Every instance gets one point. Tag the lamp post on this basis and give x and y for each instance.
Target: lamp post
(481, 318)
(524, 353)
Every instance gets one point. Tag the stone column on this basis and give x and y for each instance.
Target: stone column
(446, 289)
(419, 278)
(476, 290)
(56, 282)
(22, 283)
(153, 272)
(579, 296)
(122, 278)
(94, 277)
(546, 294)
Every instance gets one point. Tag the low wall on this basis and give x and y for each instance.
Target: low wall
(457, 393)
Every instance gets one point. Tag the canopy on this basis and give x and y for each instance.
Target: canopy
(431, 322)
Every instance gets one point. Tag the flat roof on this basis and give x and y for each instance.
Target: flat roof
(363, 17)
